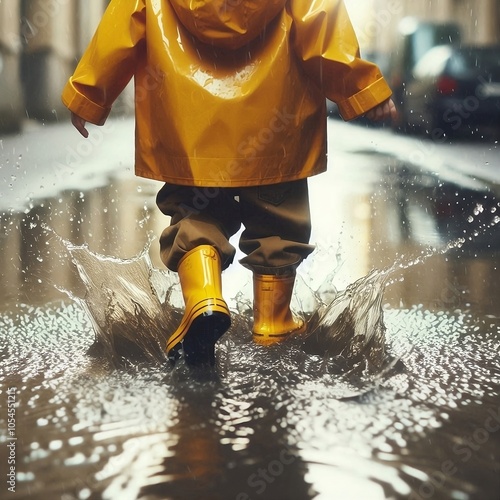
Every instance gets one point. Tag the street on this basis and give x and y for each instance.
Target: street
(394, 391)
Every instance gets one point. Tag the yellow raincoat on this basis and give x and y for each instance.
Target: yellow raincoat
(227, 92)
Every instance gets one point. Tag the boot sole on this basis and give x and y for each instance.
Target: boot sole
(198, 334)
(276, 338)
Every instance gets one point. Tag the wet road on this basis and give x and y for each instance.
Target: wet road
(394, 392)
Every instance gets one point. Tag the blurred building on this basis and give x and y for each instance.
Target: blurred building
(41, 41)
(479, 21)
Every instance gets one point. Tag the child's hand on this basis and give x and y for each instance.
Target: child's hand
(79, 123)
(384, 111)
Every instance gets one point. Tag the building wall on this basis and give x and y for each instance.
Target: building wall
(376, 21)
(40, 43)
(10, 49)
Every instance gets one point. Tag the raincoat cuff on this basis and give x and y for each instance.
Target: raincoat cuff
(81, 105)
(371, 96)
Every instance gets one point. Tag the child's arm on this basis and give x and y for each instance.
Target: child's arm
(325, 41)
(107, 65)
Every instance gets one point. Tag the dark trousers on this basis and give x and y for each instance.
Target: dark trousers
(276, 219)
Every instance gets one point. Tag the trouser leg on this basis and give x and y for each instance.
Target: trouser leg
(277, 227)
(199, 216)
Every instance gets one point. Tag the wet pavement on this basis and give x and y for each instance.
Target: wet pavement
(393, 392)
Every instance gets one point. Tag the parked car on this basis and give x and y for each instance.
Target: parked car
(414, 38)
(454, 89)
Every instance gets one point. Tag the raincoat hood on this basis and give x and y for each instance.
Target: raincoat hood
(226, 23)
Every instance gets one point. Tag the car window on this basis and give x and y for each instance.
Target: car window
(432, 63)
(482, 59)
(473, 59)
(458, 64)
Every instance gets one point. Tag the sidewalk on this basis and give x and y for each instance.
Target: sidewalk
(463, 161)
(42, 161)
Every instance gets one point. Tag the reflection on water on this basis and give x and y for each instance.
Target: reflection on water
(392, 393)
(414, 212)
(33, 262)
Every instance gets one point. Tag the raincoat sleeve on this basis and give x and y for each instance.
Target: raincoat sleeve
(109, 61)
(325, 41)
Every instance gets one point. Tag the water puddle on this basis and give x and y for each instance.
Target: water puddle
(372, 395)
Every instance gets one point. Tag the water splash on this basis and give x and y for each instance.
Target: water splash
(126, 301)
(134, 306)
(350, 330)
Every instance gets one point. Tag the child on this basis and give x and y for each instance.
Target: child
(230, 114)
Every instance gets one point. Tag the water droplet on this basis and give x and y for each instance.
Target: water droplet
(84, 494)
(55, 445)
(73, 441)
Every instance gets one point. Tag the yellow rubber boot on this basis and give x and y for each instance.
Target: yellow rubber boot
(273, 319)
(206, 316)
